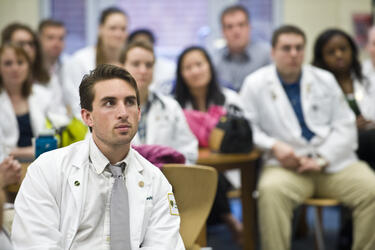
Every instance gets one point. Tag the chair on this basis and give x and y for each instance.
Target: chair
(194, 188)
(319, 204)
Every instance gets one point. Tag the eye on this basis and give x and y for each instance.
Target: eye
(109, 103)
(149, 65)
(135, 64)
(129, 101)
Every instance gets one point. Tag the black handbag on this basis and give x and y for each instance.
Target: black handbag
(232, 133)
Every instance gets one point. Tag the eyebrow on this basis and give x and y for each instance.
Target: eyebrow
(111, 98)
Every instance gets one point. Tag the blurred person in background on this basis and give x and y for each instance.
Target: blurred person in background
(197, 88)
(241, 56)
(162, 120)
(51, 35)
(22, 110)
(337, 52)
(23, 36)
(164, 69)
(369, 64)
(112, 35)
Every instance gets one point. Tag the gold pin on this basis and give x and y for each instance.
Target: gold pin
(141, 184)
(273, 95)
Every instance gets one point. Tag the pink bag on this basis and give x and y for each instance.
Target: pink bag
(159, 155)
(202, 123)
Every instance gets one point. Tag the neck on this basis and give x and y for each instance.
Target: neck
(112, 55)
(289, 78)
(114, 153)
(343, 77)
(143, 96)
(14, 91)
(50, 62)
(199, 95)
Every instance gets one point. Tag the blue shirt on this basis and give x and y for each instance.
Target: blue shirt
(293, 91)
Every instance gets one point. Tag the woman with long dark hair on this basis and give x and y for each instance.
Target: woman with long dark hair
(337, 52)
(197, 88)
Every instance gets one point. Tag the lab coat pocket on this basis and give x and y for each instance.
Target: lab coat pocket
(320, 110)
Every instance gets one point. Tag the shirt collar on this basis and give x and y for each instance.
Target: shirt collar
(99, 161)
(245, 55)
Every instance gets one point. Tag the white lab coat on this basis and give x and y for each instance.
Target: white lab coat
(162, 78)
(167, 126)
(325, 110)
(49, 205)
(81, 63)
(38, 104)
(364, 94)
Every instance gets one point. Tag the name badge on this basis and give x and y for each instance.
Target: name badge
(172, 205)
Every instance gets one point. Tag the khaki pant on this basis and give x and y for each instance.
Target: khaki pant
(282, 190)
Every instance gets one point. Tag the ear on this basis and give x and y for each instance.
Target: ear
(139, 113)
(87, 117)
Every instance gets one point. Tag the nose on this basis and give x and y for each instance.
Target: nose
(293, 51)
(338, 53)
(122, 113)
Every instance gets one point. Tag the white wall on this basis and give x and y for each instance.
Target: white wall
(313, 16)
(25, 11)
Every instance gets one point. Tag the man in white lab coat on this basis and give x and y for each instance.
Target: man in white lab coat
(303, 123)
(65, 200)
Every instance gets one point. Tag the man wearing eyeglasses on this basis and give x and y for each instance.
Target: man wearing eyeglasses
(301, 120)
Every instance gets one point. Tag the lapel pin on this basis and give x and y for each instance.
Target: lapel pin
(273, 95)
(76, 183)
(141, 184)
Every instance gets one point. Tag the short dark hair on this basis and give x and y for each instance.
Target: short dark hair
(136, 44)
(321, 42)
(234, 8)
(146, 32)
(49, 23)
(286, 29)
(100, 73)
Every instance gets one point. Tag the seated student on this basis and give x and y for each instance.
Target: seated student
(22, 110)
(164, 69)
(98, 193)
(23, 36)
(112, 34)
(197, 88)
(307, 130)
(162, 120)
(336, 52)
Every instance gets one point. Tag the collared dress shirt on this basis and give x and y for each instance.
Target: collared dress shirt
(94, 230)
(233, 68)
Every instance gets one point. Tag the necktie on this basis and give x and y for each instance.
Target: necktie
(119, 221)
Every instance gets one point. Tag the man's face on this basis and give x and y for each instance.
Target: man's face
(288, 54)
(236, 30)
(115, 113)
(371, 45)
(52, 39)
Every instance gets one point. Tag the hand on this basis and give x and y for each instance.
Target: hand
(10, 171)
(362, 123)
(308, 164)
(285, 155)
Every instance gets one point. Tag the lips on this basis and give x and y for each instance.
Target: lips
(123, 127)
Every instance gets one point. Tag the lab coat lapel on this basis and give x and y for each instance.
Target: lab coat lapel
(283, 106)
(138, 188)
(77, 183)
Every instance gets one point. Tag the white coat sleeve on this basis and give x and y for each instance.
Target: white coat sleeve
(252, 102)
(36, 222)
(342, 138)
(162, 232)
